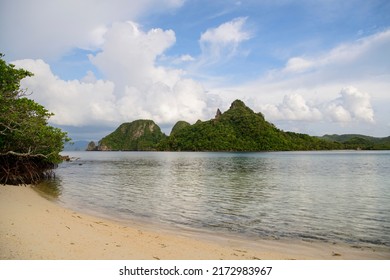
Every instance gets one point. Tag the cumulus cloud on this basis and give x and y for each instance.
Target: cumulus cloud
(135, 87)
(56, 27)
(135, 84)
(223, 40)
(294, 107)
(322, 82)
(186, 100)
(128, 56)
(352, 105)
(74, 103)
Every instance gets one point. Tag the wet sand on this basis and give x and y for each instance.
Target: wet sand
(32, 227)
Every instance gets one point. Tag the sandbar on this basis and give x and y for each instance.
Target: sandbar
(33, 227)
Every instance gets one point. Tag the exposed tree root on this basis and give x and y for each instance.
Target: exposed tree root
(24, 169)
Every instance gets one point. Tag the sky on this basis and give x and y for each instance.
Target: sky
(310, 66)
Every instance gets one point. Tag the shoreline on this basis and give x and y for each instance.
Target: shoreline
(33, 227)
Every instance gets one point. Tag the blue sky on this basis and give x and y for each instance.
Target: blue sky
(314, 67)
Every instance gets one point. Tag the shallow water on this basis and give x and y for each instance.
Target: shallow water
(341, 196)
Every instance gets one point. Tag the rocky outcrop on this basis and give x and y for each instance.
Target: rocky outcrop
(218, 114)
(237, 129)
(139, 135)
(103, 147)
(241, 129)
(92, 146)
(179, 126)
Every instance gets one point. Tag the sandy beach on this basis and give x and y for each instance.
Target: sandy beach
(32, 227)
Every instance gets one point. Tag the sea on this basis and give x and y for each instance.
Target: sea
(329, 196)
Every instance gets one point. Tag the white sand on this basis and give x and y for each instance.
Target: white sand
(32, 227)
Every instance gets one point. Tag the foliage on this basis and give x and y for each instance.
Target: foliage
(29, 147)
(241, 129)
(237, 129)
(178, 126)
(140, 135)
(169, 143)
(362, 142)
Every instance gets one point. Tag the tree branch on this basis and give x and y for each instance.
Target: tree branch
(23, 154)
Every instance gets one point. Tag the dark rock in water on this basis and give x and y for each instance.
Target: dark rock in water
(65, 158)
(92, 146)
(103, 147)
(68, 158)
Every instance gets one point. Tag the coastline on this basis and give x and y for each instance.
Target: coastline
(32, 227)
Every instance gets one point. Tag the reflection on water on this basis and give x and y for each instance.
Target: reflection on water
(51, 188)
(330, 196)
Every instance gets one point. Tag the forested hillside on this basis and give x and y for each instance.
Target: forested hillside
(140, 135)
(237, 129)
(240, 129)
(357, 141)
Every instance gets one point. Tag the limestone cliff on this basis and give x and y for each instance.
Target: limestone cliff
(139, 135)
(92, 146)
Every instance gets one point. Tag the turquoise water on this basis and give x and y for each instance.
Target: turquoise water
(341, 196)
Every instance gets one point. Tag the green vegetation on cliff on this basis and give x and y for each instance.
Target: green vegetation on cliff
(179, 126)
(240, 129)
(357, 141)
(139, 135)
(237, 129)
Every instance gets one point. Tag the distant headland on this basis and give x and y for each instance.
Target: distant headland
(237, 129)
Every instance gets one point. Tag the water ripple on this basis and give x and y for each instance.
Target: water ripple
(329, 196)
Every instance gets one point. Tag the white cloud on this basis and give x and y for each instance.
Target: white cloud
(223, 41)
(297, 65)
(306, 88)
(186, 100)
(359, 68)
(185, 58)
(89, 77)
(128, 56)
(135, 87)
(352, 105)
(363, 58)
(361, 63)
(226, 33)
(48, 29)
(96, 37)
(74, 103)
(145, 90)
(294, 107)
